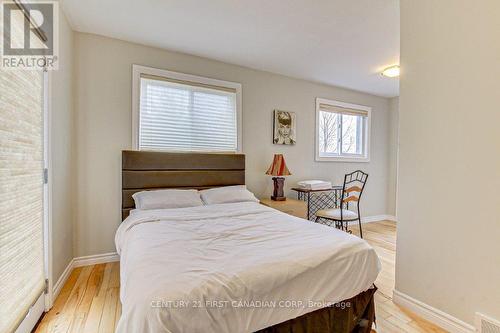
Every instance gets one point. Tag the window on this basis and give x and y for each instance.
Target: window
(342, 131)
(180, 112)
(22, 261)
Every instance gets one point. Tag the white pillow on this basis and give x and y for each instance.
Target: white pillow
(164, 199)
(227, 194)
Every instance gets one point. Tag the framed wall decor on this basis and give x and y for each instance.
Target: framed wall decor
(284, 128)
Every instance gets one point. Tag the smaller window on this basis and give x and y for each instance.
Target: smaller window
(342, 131)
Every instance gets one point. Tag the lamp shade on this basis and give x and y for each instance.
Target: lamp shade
(278, 167)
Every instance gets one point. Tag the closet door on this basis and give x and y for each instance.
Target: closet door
(22, 278)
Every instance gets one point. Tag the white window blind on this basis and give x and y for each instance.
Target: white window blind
(21, 194)
(181, 115)
(342, 110)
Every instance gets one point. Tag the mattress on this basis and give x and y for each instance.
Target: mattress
(237, 267)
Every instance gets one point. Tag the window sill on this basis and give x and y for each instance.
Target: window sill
(343, 159)
(187, 151)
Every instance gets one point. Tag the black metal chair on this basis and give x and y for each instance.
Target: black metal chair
(354, 184)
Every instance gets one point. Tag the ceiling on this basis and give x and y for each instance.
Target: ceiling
(338, 42)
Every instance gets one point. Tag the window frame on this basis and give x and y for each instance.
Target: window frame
(138, 70)
(344, 157)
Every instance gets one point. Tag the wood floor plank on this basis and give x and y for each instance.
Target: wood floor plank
(62, 324)
(115, 275)
(82, 310)
(96, 309)
(107, 323)
(118, 311)
(384, 326)
(89, 301)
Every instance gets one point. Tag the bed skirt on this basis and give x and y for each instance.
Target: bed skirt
(353, 315)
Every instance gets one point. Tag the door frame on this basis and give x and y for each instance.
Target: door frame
(47, 189)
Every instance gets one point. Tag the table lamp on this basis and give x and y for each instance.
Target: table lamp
(278, 168)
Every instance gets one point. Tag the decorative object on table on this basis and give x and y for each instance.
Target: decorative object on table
(284, 128)
(293, 207)
(315, 185)
(278, 168)
(354, 184)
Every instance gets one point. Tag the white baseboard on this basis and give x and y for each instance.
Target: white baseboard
(375, 218)
(438, 317)
(82, 261)
(96, 259)
(62, 280)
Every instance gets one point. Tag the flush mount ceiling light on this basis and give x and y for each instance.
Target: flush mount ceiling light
(392, 71)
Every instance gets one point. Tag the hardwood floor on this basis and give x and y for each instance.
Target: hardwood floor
(89, 301)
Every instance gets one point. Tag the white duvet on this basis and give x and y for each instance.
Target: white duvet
(233, 268)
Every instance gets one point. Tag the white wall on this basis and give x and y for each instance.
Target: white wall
(449, 181)
(62, 123)
(393, 156)
(103, 92)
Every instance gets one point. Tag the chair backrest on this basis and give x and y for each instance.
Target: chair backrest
(354, 184)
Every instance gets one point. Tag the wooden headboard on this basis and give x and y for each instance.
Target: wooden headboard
(145, 170)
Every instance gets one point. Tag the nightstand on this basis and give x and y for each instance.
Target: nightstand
(290, 206)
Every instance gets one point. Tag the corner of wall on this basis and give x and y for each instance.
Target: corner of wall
(393, 156)
(62, 153)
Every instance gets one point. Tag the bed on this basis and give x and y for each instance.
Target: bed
(233, 267)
